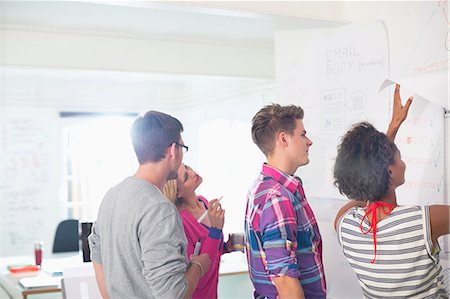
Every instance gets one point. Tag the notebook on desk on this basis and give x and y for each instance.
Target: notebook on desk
(42, 280)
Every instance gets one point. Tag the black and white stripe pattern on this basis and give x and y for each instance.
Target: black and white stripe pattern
(405, 266)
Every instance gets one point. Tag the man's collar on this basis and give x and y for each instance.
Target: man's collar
(288, 181)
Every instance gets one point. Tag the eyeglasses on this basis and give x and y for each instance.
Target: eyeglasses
(184, 148)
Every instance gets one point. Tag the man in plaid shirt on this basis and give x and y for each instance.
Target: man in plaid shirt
(284, 246)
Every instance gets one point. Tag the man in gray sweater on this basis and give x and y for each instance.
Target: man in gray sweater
(138, 245)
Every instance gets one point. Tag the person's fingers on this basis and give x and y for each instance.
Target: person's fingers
(213, 204)
(216, 212)
(397, 92)
(408, 103)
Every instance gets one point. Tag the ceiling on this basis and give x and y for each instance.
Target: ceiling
(156, 19)
(165, 20)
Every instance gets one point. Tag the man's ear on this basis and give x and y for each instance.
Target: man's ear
(171, 151)
(282, 138)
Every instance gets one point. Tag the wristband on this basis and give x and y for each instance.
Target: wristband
(198, 264)
(214, 233)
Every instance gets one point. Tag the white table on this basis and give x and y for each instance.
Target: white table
(233, 267)
(52, 263)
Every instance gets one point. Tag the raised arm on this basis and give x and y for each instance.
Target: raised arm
(399, 114)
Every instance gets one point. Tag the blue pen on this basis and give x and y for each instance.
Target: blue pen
(197, 247)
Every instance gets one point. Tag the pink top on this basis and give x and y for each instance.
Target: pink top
(212, 244)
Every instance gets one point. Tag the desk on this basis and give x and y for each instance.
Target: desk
(233, 275)
(55, 262)
(11, 285)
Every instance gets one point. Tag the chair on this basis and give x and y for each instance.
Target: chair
(86, 228)
(67, 237)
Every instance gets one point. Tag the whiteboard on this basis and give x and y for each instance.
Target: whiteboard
(431, 46)
(30, 209)
(335, 75)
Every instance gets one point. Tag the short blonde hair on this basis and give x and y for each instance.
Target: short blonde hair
(170, 190)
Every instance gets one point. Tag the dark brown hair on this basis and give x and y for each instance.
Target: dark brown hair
(152, 133)
(271, 120)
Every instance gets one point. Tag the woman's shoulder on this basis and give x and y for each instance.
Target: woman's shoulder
(350, 208)
(186, 216)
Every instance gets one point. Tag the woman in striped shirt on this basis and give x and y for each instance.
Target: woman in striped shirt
(392, 249)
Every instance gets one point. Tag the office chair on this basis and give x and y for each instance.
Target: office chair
(67, 236)
(86, 228)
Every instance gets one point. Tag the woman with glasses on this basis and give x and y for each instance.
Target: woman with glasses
(204, 234)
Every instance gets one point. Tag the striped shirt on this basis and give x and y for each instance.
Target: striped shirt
(405, 265)
(282, 235)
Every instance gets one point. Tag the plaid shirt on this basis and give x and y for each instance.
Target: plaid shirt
(282, 235)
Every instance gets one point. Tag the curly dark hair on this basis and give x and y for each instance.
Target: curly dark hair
(361, 168)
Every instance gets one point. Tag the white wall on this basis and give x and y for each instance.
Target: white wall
(410, 25)
(68, 49)
(318, 10)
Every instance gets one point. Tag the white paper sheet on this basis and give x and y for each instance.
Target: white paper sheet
(431, 86)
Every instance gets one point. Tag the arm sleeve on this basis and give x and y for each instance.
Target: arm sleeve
(163, 256)
(94, 245)
(212, 243)
(278, 226)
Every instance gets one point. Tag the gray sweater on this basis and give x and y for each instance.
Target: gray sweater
(139, 239)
